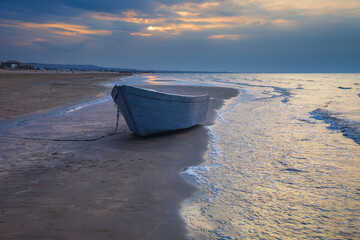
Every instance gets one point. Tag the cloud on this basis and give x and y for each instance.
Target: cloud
(187, 34)
(178, 28)
(227, 15)
(29, 42)
(129, 16)
(284, 23)
(172, 17)
(178, 18)
(313, 7)
(190, 6)
(229, 36)
(55, 27)
(141, 34)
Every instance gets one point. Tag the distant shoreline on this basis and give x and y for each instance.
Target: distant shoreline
(49, 71)
(54, 71)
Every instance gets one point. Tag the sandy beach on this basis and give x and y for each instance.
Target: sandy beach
(72, 186)
(28, 92)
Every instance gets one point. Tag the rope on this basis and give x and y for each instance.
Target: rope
(117, 120)
(71, 140)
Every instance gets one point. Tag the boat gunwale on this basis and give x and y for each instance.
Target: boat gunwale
(163, 96)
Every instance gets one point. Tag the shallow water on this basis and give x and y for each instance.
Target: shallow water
(283, 160)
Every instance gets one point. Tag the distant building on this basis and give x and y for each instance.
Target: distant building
(28, 67)
(11, 64)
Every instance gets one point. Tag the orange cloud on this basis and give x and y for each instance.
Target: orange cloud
(57, 28)
(228, 21)
(315, 7)
(229, 36)
(176, 29)
(186, 14)
(65, 33)
(167, 19)
(29, 42)
(283, 23)
(175, 19)
(128, 16)
(71, 28)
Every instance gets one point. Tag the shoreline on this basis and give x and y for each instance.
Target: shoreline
(122, 186)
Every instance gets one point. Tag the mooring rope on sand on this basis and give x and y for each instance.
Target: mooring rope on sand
(70, 140)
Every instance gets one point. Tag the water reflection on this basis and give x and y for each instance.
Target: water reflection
(151, 79)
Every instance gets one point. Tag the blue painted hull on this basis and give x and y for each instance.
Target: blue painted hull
(148, 112)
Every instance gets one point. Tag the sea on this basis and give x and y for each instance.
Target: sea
(283, 160)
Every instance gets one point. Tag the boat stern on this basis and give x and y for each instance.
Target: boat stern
(115, 93)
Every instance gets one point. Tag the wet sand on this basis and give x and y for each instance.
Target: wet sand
(119, 187)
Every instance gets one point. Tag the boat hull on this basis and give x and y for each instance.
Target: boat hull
(148, 112)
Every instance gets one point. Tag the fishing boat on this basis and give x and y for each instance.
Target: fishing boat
(148, 112)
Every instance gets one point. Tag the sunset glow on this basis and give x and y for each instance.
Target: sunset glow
(128, 16)
(229, 36)
(141, 34)
(252, 29)
(57, 28)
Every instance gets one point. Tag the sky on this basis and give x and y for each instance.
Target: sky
(193, 35)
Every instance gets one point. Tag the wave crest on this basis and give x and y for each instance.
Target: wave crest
(349, 128)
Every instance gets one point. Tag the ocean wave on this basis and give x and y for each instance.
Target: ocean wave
(194, 174)
(282, 92)
(349, 128)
